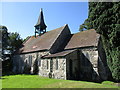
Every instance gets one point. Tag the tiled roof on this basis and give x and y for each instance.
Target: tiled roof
(43, 42)
(83, 39)
(63, 53)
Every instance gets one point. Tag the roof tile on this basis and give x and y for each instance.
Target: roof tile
(42, 42)
(83, 39)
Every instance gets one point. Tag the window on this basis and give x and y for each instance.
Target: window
(56, 63)
(47, 64)
(39, 63)
(30, 60)
(87, 56)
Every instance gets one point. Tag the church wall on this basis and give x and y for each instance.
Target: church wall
(53, 68)
(44, 67)
(89, 64)
(27, 63)
(93, 66)
(59, 68)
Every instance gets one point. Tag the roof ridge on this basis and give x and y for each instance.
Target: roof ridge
(27, 39)
(85, 31)
(59, 27)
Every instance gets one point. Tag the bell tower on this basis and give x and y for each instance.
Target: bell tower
(40, 27)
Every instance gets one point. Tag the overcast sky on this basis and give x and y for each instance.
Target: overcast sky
(22, 16)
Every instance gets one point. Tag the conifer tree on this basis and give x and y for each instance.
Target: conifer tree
(105, 18)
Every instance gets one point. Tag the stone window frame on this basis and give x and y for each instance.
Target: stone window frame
(57, 64)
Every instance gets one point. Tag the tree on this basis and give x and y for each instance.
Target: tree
(15, 41)
(26, 38)
(104, 17)
(10, 41)
(4, 40)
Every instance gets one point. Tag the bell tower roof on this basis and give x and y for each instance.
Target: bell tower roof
(41, 20)
(40, 26)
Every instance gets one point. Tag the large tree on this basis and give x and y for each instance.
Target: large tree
(10, 41)
(105, 18)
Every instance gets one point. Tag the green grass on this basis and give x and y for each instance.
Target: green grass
(35, 81)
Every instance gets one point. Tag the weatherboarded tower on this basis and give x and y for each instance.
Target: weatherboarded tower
(40, 27)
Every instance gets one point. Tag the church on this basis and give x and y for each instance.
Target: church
(61, 55)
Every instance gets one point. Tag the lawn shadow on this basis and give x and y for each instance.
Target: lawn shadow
(3, 78)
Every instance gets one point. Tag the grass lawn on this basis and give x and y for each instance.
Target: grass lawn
(35, 81)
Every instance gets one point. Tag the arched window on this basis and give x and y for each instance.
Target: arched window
(87, 55)
(39, 63)
(30, 60)
(47, 64)
(56, 63)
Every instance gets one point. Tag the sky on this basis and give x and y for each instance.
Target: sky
(22, 16)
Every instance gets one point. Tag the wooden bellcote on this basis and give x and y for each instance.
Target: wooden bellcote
(40, 27)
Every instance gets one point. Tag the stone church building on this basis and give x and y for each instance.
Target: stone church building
(61, 55)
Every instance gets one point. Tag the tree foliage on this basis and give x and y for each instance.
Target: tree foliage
(4, 40)
(105, 18)
(85, 26)
(10, 41)
(15, 41)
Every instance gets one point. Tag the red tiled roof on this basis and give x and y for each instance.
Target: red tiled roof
(83, 39)
(43, 42)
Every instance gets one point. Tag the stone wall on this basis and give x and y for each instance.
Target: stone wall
(59, 68)
(53, 68)
(93, 64)
(89, 64)
(27, 63)
(44, 67)
(32, 63)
